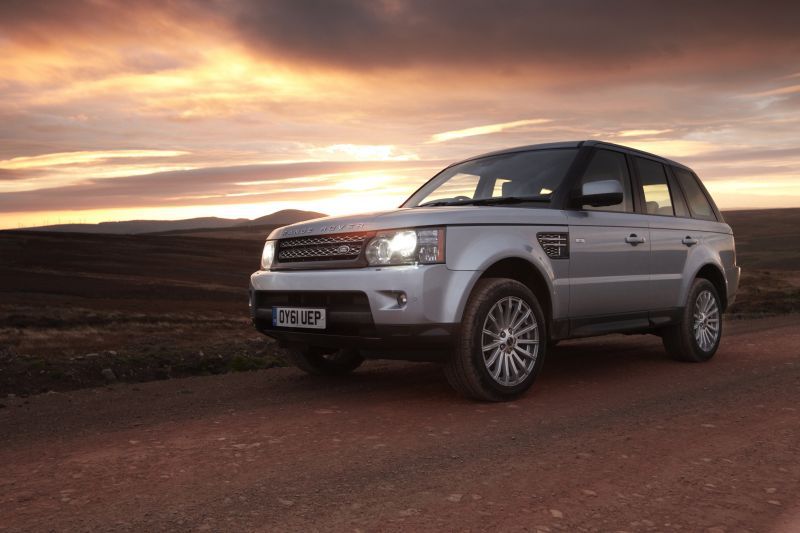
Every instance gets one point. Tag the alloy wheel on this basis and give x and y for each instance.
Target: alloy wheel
(510, 341)
(706, 320)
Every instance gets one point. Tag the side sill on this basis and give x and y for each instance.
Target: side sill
(638, 322)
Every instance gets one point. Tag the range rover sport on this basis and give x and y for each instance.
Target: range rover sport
(498, 257)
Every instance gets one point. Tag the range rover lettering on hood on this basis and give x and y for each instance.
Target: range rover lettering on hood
(333, 228)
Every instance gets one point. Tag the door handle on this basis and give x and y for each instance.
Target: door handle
(634, 239)
(689, 241)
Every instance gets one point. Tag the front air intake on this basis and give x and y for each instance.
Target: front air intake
(555, 245)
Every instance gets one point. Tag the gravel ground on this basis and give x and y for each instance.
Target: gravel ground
(614, 437)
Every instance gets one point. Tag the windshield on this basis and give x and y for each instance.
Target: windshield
(516, 177)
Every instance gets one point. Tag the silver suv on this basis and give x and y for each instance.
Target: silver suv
(497, 258)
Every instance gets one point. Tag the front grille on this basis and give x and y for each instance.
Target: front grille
(340, 247)
(555, 245)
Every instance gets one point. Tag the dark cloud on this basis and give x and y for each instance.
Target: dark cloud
(507, 35)
(516, 33)
(186, 187)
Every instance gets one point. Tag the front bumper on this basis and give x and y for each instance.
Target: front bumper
(435, 300)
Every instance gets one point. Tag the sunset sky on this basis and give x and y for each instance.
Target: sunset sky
(175, 109)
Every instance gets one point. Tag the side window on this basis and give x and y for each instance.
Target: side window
(698, 203)
(678, 200)
(501, 185)
(608, 165)
(653, 178)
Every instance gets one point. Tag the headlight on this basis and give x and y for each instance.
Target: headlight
(406, 246)
(267, 255)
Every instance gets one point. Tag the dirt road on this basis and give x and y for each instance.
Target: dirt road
(615, 436)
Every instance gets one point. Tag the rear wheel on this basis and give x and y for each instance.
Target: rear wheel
(320, 362)
(696, 339)
(501, 346)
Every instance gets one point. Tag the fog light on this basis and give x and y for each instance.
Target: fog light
(402, 299)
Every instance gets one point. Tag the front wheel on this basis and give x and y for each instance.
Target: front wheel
(697, 337)
(319, 362)
(502, 342)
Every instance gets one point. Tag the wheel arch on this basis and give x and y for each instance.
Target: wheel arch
(713, 273)
(525, 272)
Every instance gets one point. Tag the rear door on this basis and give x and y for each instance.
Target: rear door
(609, 249)
(672, 233)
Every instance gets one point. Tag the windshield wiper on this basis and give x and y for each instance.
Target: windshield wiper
(500, 200)
(508, 200)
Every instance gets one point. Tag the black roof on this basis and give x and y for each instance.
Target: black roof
(578, 144)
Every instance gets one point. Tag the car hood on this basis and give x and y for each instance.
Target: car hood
(410, 217)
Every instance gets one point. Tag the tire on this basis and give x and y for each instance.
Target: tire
(319, 362)
(468, 368)
(703, 313)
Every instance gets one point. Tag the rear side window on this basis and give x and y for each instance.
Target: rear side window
(678, 201)
(653, 179)
(698, 203)
(608, 165)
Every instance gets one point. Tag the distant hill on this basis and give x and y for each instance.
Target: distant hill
(134, 227)
(283, 218)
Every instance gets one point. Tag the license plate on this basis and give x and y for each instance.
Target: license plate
(298, 317)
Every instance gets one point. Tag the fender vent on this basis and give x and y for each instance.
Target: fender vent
(555, 245)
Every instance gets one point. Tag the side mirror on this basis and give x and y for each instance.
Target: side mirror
(600, 193)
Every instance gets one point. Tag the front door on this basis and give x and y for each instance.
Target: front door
(609, 264)
(609, 250)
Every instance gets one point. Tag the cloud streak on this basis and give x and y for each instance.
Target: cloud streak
(485, 130)
(81, 158)
(208, 185)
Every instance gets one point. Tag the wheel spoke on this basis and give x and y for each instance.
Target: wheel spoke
(499, 366)
(526, 353)
(493, 359)
(513, 318)
(526, 329)
(513, 365)
(709, 302)
(491, 346)
(491, 333)
(517, 358)
(521, 321)
(507, 314)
